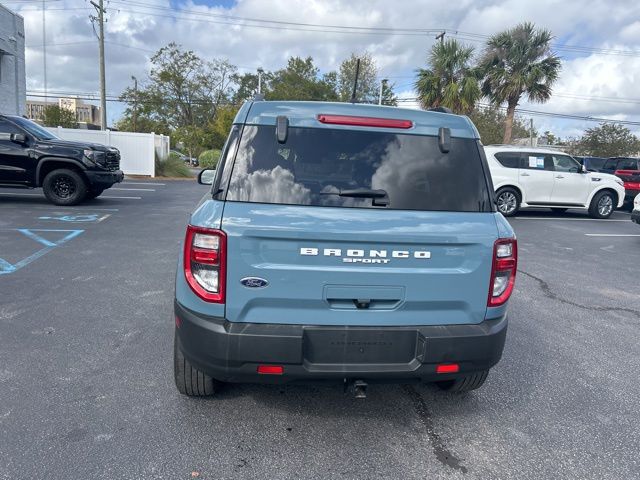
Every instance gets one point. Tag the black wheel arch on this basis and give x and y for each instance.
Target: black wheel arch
(47, 165)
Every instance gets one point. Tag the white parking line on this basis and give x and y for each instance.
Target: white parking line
(572, 219)
(611, 235)
(123, 198)
(39, 195)
(22, 194)
(143, 183)
(135, 189)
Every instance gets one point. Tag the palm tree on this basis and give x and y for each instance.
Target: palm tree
(516, 62)
(449, 81)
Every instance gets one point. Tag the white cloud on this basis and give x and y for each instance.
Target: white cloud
(611, 24)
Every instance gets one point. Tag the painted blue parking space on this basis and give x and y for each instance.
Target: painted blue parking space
(32, 229)
(29, 245)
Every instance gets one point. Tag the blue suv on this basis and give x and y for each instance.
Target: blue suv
(344, 242)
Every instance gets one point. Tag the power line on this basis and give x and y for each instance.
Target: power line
(314, 27)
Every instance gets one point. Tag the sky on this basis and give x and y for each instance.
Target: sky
(598, 41)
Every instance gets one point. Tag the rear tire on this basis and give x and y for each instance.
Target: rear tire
(602, 205)
(64, 187)
(189, 380)
(464, 384)
(508, 201)
(559, 210)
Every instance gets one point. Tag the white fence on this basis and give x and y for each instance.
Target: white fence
(137, 150)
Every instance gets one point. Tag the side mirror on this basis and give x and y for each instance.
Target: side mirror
(583, 169)
(206, 176)
(20, 138)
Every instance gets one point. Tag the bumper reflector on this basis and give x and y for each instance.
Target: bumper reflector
(270, 369)
(448, 368)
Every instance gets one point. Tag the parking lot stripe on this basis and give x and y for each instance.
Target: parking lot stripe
(143, 183)
(135, 189)
(572, 219)
(21, 194)
(122, 198)
(611, 235)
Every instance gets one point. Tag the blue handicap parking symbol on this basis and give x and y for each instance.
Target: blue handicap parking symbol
(76, 218)
(55, 239)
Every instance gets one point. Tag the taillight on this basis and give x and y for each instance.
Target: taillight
(205, 258)
(503, 271)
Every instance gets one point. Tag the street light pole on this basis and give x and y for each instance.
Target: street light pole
(135, 101)
(260, 72)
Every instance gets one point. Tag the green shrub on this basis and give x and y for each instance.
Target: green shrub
(209, 158)
(174, 156)
(172, 167)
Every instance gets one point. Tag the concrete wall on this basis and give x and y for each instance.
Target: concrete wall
(13, 88)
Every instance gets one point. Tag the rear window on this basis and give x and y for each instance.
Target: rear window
(628, 164)
(315, 165)
(594, 162)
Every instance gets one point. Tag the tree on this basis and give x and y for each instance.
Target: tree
(247, 85)
(182, 90)
(551, 138)
(54, 116)
(368, 88)
(368, 85)
(449, 81)
(301, 80)
(608, 140)
(516, 62)
(388, 97)
(490, 122)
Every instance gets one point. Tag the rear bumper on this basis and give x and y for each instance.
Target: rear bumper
(231, 352)
(104, 179)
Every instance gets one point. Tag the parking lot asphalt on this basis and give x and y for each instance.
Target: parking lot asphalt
(86, 387)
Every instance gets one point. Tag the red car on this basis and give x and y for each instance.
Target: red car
(628, 170)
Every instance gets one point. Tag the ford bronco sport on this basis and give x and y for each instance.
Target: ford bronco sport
(344, 242)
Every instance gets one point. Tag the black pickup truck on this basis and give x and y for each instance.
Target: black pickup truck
(68, 172)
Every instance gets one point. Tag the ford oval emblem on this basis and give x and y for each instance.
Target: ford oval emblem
(254, 282)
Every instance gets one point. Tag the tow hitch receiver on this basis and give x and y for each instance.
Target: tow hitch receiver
(360, 388)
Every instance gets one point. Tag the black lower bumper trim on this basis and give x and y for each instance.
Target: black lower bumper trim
(105, 179)
(231, 352)
(635, 216)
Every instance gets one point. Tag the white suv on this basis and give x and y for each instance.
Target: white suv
(538, 177)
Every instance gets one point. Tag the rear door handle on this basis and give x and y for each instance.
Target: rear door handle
(525, 175)
(559, 176)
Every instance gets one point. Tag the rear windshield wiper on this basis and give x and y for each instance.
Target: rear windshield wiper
(380, 197)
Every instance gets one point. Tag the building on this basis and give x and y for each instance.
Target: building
(13, 84)
(87, 115)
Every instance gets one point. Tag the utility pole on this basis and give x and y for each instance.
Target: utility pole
(135, 101)
(382, 82)
(103, 89)
(260, 72)
(44, 50)
(440, 37)
(531, 132)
